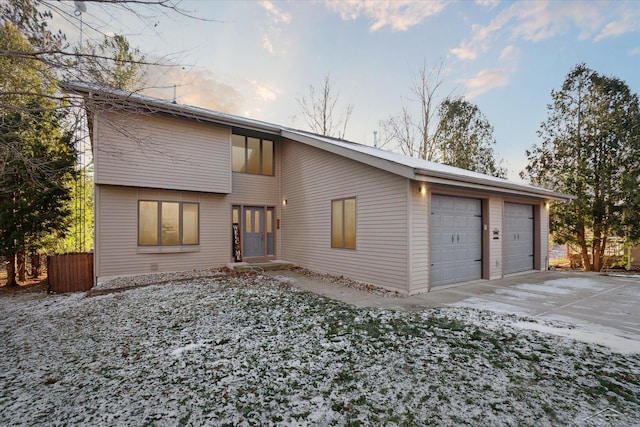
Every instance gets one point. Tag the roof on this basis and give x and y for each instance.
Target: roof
(396, 163)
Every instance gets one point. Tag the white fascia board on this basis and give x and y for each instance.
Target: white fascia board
(155, 105)
(490, 186)
(464, 180)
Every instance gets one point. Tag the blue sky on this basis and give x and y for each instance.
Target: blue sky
(255, 58)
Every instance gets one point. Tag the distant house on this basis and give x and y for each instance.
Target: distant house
(181, 188)
(618, 254)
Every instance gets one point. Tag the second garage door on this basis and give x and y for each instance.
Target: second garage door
(456, 239)
(518, 237)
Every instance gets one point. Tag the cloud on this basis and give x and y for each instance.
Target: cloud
(400, 15)
(535, 21)
(634, 52)
(266, 43)
(194, 87)
(510, 54)
(263, 92)
(627, 24)
(464, 52)
(276, 14)
(488, 3)
(488, 79)
(273, 32)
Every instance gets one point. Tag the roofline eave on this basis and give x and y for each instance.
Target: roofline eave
(168, 107)
(489, 185)
(380, 163)
(407, 171)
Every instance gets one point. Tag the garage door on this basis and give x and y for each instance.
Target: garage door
(518, 237)
(456, 239)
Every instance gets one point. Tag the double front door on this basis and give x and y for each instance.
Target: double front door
(257, 225)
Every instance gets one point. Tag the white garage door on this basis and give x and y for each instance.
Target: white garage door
(456, 239)
(518, 237)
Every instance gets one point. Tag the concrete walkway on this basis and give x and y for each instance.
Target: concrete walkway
(610, 304)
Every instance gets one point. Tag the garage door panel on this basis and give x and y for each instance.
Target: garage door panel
(456, 239)
(518, 238)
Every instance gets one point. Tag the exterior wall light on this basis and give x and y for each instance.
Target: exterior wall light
(284, 202)
(422, 189)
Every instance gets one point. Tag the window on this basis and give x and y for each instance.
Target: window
(343, 223)
(168, 223)
(251, 155)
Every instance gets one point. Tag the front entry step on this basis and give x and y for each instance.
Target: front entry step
(260, 266)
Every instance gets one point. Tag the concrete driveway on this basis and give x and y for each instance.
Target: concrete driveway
(586, 306)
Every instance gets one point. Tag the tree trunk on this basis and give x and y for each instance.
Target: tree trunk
(35, 264)
(599, 264)
(11, 271)
(22, 267)
(584, 253)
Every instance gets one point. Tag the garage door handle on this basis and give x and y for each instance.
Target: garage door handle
(452, 238)
(458, 237)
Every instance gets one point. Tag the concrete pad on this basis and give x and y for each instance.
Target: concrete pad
(594, 302)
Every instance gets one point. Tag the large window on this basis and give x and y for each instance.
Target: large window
(343, 223)
(168, 223)
(251, 155)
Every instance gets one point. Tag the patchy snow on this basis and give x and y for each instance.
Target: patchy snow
(593, 334)
(519, 298)
(490, 305)
(178, 351)
(562, 286)
(249, 350)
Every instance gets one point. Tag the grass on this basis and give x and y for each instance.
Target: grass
(247, 350)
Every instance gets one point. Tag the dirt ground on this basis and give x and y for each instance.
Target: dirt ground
(38, 283)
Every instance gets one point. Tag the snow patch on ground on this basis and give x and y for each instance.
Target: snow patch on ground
(561, 286)
(178, 351)
(494, 306)
(591, 334)
(242, 350)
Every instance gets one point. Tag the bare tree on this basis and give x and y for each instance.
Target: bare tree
(319, 110)
(34, 112)
(416, 136)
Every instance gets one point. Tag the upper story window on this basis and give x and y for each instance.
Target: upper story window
(252, 155)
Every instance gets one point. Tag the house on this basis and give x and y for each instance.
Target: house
(618, 254)
(182, 188)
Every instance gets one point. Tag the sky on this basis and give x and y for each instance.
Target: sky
(258, 58)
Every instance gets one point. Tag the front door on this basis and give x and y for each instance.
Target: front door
(254, 232)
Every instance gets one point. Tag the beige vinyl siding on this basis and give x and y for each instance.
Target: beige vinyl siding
(418, 248)
(162, 152)
(311, 179)
(259, 190)
(495, 246)
(118, 253)
(544, 236)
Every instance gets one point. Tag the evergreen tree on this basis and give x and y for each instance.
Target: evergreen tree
(465, 138)
(36, 156)
(591, 148)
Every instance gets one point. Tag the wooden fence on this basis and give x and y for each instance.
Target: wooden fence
(70, 272)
